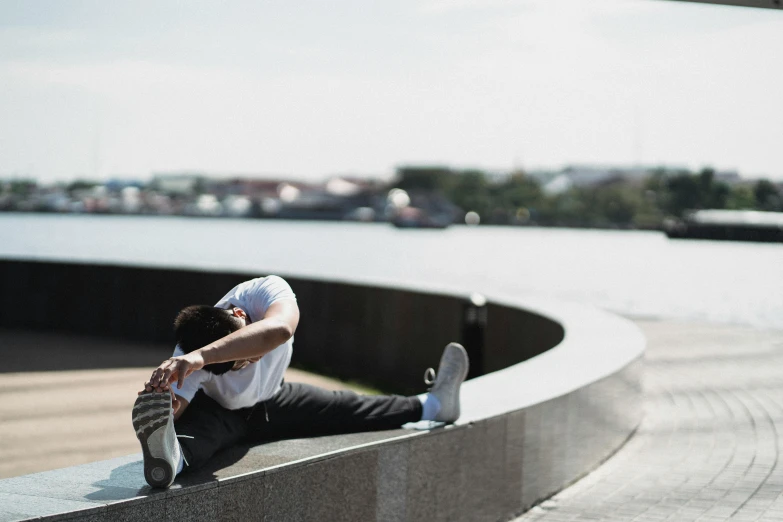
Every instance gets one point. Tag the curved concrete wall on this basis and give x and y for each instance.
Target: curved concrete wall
(385, 336)
(527, 430)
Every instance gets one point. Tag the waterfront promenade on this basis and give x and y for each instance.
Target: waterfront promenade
(708, 448)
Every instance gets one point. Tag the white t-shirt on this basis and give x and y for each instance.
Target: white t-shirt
(258, 381)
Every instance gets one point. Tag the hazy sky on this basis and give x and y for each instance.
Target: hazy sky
(308, 89)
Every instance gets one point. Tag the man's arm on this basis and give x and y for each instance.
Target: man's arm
(256, 339)
(253, 341)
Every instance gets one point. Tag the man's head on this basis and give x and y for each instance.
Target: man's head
(199, 325)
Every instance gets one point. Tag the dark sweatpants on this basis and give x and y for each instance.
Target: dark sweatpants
(296, 411)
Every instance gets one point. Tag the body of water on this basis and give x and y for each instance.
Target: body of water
(631, 273)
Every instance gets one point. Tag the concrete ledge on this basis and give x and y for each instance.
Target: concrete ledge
(527, 430)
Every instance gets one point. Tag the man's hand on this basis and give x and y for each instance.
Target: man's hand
(178, 404)
(175, 369)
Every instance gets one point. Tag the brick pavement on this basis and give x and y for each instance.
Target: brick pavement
(708, 448)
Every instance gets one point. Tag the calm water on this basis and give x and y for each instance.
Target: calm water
(632, 273)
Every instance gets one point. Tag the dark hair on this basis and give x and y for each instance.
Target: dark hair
(199, 325)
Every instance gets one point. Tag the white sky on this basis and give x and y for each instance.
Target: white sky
(308, 89)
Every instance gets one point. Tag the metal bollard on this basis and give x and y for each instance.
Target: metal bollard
(474, 322)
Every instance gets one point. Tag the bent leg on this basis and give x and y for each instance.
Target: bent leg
(205, 428)
(302, 410)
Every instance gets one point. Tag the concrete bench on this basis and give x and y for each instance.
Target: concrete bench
(527, 430)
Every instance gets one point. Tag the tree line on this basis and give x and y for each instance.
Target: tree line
(620, 201)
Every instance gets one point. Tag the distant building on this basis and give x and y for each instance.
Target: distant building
(731, 177)
(589, 176)
(181, 184)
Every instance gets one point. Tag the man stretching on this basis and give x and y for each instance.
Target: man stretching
(228, 367)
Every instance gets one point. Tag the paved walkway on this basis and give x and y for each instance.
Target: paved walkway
(54, 419)
(709, 446)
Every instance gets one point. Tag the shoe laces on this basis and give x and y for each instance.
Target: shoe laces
(180, 448)
(429, 377)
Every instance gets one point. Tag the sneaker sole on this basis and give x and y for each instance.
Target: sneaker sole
(464, 354)
(151, 412)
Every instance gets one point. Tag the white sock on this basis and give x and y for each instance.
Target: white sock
(430, 406)
(181, 461)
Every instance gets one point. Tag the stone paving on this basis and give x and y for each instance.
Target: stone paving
(708, 448)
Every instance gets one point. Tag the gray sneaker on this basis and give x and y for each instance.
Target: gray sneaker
(153, 420)
(446, 382)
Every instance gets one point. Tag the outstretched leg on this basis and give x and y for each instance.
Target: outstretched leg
(302, 410)
(206, 428)
(170, 447)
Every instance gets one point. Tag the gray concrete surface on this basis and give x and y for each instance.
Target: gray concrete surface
(709, 446)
